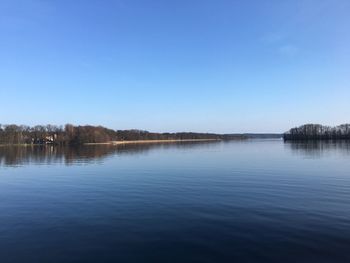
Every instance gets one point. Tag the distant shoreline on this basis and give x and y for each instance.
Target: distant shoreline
(87, 134)
(93, 135)
(150, 141)
(118, 142)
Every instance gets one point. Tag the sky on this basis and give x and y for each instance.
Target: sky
(186, 65)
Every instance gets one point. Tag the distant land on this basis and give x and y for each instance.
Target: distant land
(262, 135)
(77, 135)
(318, 132)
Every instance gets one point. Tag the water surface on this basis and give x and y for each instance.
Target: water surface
(242, 201)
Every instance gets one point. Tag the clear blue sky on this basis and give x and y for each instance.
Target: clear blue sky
(194, 65)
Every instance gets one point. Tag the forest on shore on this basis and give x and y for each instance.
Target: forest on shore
(318, 132)
(77, 135)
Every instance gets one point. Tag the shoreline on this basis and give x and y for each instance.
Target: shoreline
(115, 142)
(150, 141)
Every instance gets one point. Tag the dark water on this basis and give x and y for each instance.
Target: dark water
(247, 201)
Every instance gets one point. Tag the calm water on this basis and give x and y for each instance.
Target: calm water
(246, 201)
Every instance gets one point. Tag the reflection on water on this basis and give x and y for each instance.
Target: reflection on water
(241, 201)
(21, 155)
(316, 149)
(48, 154)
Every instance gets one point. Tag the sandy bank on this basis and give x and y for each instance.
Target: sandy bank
(151, 141)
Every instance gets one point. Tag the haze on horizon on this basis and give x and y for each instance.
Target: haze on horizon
(203, 66)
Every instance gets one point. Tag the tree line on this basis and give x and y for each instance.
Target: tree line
(318, 132)
(77, 135)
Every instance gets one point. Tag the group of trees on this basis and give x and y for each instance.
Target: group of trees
(131, 135)
(14, 134)
(51, 134)
(318, 132)
(75, 135)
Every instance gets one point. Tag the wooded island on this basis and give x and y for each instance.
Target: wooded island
(319, 132)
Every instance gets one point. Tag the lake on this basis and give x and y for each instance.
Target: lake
(239, 201)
